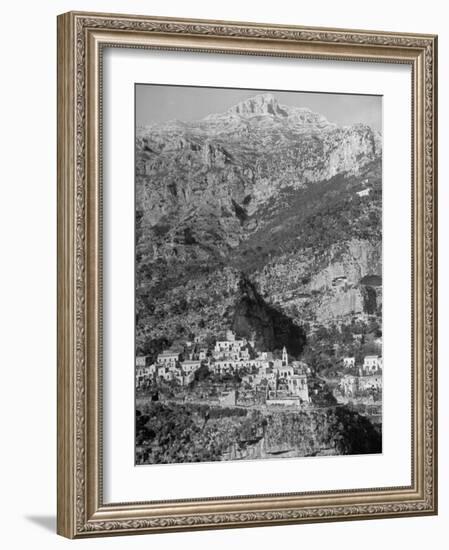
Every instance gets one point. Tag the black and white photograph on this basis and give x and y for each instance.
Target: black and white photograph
(258, 274)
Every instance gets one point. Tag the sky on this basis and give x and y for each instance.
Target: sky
(160, 103)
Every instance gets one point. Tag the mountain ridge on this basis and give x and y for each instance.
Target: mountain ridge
(237, 192)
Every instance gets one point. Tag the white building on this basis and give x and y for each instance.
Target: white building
(225, 366)
(168, 357)
(284, 371)
(145, 373)
(372, 364)
(378, 343)
(282, 363)
(164, 372)
(226, 346)
(297, 385)
(141, 360)
(349, 384)
(189, 366)
(371, 382)
(301, 368)
(267, 373)
(169, 372)
(260, 363)
(230, 345)
(348, 362)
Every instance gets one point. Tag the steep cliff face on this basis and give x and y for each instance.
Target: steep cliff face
(264, 193)
(335, 431)
(307, 433)
(325, 286)
(169, 432)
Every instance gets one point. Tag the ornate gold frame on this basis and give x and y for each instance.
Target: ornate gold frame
(81, 37)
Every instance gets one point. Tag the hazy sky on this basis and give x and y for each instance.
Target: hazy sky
(159, 103)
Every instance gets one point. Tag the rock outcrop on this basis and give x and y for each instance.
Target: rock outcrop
(168, 432)
(269, 327)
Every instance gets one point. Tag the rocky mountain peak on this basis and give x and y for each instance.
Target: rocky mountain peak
(267, 104)
(261, 104)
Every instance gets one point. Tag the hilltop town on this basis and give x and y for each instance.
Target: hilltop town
(230, 400)
(237, 373)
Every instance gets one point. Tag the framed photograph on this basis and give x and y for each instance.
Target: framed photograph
(246, 274)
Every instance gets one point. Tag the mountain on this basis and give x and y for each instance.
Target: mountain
(263, 197)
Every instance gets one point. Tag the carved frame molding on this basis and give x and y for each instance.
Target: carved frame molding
(81, 38)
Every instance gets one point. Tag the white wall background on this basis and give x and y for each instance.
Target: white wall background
(28, 271)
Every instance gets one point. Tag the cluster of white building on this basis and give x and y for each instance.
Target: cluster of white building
(280, 378)
(230, 355)
(169, 366)
(352, 385)
(369, 375)
(372, 364)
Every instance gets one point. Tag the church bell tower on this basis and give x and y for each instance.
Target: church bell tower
(284, 357)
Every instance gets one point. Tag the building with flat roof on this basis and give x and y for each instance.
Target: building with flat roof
(168, 357)
(372, 364)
